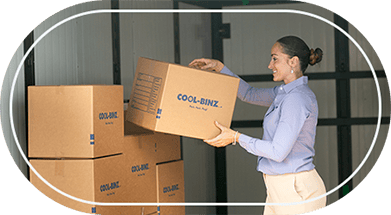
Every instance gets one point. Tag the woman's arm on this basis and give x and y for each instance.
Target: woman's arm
(293, 115)
(246, 93)
(289, 126)
(252, 95)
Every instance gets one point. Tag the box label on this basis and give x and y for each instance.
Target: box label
(140, 169)
(108, 115)
(92, 139)
(159, 113)
(146, 93)
(170, 188)
(110, 187)
(198, 103)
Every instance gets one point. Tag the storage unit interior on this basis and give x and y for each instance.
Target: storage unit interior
(103, 48)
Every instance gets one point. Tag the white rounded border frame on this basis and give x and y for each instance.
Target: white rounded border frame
(194, 11)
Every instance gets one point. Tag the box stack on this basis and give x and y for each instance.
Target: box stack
(77, 143)
(80, 142)
(75, 136)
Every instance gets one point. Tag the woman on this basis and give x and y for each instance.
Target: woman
(286, 151)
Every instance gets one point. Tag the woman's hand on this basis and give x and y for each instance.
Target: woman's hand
(208, 64)
(226, 137)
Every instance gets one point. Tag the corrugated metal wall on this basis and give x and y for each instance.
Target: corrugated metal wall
(144, 35)
(18, 110)
(79, 51)
(364, 98)
(248, 52)
(199, 157)
(58, 61)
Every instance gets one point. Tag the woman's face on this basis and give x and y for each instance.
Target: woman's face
(279, 64)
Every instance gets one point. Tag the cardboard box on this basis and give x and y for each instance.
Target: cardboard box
(170, 187)
(109, 179)
(103, 180)
(139, 176)
(84, 121)
(179, 100)
(95, 180)
(152, 148)
(141, 154)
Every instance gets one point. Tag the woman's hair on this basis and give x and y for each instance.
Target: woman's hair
(294, 46)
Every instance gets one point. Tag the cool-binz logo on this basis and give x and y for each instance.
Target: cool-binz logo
(110, 186)
(170, 188)
(138, 168)
(201, 101)
(108, 115)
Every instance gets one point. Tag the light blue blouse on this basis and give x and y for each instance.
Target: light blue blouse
(289, 126)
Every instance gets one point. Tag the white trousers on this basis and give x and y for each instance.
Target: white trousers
(294, 187)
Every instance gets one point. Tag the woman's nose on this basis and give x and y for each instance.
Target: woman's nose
(270, 65)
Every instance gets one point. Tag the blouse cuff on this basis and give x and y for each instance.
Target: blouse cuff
(244, 140)
(226, 71)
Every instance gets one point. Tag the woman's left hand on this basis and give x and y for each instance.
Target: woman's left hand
(208, 64)
(226, 137)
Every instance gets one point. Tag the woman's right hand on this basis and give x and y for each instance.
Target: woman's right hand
(208, 64)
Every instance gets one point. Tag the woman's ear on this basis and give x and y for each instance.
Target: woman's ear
(294, 62)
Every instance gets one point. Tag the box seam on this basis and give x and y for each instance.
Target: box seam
(162, 93)
(92, 122)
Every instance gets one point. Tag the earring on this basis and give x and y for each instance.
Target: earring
(292, 71)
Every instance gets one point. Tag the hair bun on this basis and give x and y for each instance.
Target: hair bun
(315, 56)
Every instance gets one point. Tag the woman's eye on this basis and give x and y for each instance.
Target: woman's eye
(274, 59)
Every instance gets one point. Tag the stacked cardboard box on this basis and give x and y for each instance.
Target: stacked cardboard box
(75, 121)
(77, 144)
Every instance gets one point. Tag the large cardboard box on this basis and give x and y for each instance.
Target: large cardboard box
(171, 187)
(84, 121)
(175, 99)
(103, 180)
(95, 180)
(110, 179)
